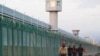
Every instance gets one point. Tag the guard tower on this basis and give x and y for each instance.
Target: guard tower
(53, 7)
(76, 32)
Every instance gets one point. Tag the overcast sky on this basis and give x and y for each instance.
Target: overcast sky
(76, 14)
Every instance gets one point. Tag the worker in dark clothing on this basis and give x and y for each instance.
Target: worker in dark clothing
(80, 50)
(69, 49)
(74, 50)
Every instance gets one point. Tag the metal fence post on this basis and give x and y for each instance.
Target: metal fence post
(0, 36)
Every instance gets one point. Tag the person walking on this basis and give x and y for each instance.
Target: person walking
(63, 49)
(80, 50)
(69, 50)
(74, 50)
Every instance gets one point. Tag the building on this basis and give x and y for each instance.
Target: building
(21, 35)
